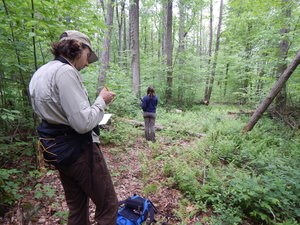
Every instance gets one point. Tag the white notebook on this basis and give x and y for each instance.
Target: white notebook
(105, 119)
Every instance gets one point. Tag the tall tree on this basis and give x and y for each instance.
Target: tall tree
(206, 96)
(33, 36)
(119, 20)
(168, 48)
(162, 31)
(281, 98)
(213, 69)
(104, 60)
(125, 43)
(200, 34)
(246, 80)
(122, 40)
(135, 46)
(181, 47)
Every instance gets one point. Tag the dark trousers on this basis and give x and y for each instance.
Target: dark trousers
(149, 119)
(88, 178)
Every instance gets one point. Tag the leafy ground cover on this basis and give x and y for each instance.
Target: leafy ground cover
(201, 170)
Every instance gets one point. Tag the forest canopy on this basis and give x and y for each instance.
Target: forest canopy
(235, 57)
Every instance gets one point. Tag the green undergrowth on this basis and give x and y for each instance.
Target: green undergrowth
(224, 175)
(239, 176)
(17, 157)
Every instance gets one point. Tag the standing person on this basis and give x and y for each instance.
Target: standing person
(149, 104)
(69, 131)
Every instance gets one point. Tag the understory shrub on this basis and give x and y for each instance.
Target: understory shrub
(9, 187)
(253, 176)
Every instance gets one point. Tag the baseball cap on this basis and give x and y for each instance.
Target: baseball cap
(76, 35)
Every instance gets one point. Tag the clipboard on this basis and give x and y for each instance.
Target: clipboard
(105, 119)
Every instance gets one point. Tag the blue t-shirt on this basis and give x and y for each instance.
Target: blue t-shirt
(149, 103)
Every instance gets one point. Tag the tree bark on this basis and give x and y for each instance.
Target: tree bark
(33, 37)
(120, 26)
(162, 33)
(213, 70)
(226, 79)
(125, 44)
(168, 49)
(180, 51)
(200, 36)
(281, 99)
(135, 46)
(106, 46)
(274, 91)
(206, 97)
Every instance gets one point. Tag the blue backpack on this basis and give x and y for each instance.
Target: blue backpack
(135, 210)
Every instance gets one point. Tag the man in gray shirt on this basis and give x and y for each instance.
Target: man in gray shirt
(68, 133)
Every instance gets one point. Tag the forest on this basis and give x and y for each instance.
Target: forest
(227, 78)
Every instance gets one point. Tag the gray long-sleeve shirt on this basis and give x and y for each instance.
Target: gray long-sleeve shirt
(59, 97)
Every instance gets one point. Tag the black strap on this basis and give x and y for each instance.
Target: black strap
(96, 129)
(62, 59)
(151, 215)
(132, 204)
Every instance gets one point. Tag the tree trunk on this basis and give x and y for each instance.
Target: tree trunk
(145, 35)
(104, 60)
(259, 86)
(206, 97)
(200, 35)
(213, 71)
(33, 37)
(125, 44)
(281, 99)
(180, 51)
(226, 79)
(120, 28)
(135, 46)
(162, 34)
(246, 78)
(275, 90)
(168, 49)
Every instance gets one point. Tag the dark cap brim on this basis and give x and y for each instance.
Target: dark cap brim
(93, 57)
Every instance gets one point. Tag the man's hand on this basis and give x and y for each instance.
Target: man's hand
(107, 95)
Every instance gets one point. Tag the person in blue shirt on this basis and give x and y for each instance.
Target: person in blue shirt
(149, 104)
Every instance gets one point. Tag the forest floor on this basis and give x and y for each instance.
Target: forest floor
(47, 206)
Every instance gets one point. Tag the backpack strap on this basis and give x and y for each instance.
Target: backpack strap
(132, 204)
(151, 216)
(152, 211)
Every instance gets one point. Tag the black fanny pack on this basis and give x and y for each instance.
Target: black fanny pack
(60, 144)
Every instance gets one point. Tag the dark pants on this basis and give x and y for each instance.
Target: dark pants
(88, 178)
(149, 119)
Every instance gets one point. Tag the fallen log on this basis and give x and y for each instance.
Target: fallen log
(158, 127)
(136, 123)
(249, 113)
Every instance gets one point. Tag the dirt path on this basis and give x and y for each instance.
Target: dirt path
(128, 176)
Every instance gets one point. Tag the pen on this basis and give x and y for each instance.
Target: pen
(114, 98)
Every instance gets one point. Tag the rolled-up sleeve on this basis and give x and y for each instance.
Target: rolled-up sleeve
(81, 115)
